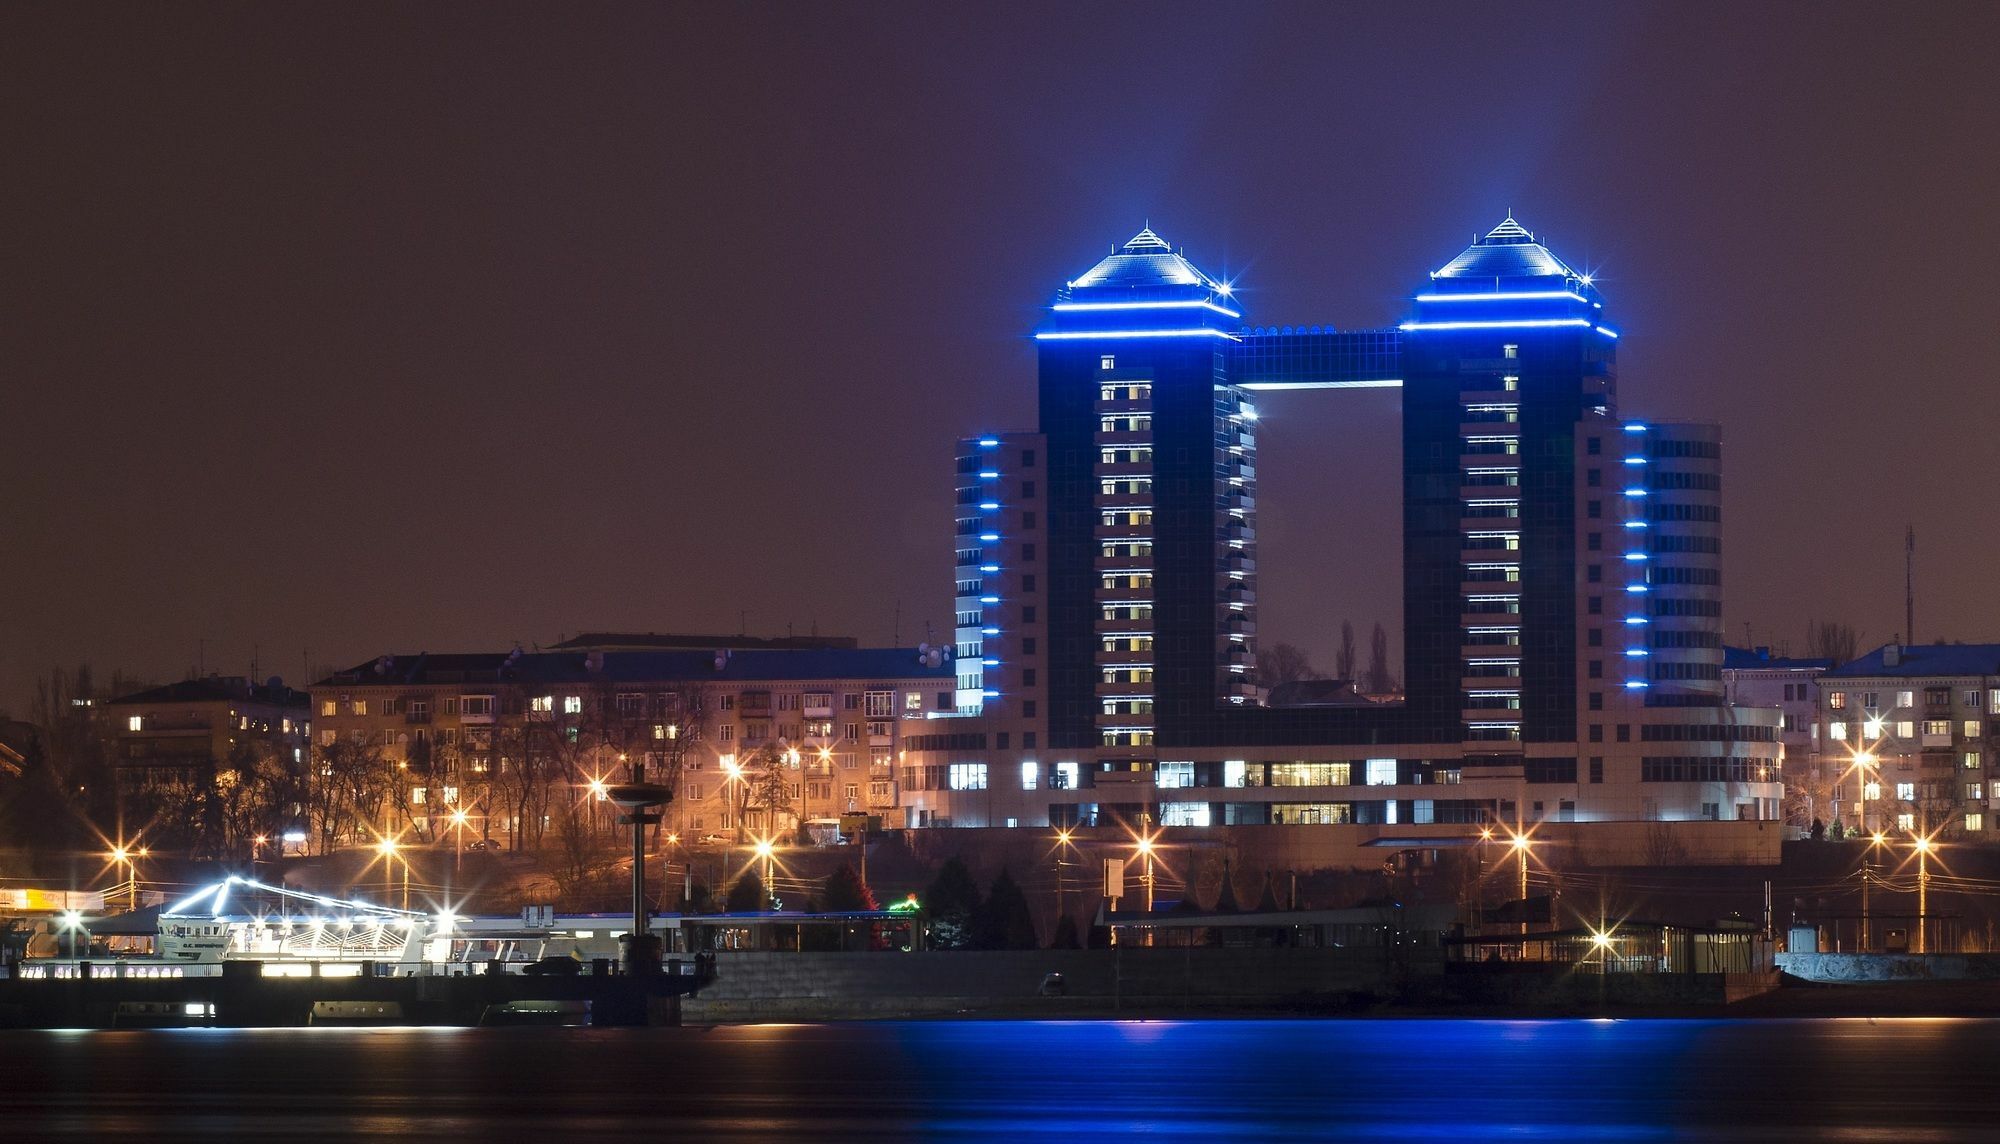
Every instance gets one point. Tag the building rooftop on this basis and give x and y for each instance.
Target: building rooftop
(217, 689)
(584, 667)
(673, 641)
(1508, 251)
(1761, 659)
(1144, 286)
(1909, 660)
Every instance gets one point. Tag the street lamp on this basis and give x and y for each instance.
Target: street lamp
(1875, 842)
(1062, 846)
(1521, 844)
(763, 849)
(732, 780)
(457, 839)
(390, 852)
(1923, 847)
(120, 856)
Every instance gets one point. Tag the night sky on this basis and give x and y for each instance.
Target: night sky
(339, 330)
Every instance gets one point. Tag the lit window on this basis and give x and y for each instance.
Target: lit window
(1107, 362)
(1907, 729)
(1836, 700)
(1381, 772)
(1064, 776)
(1975, 821)
(1906, 822)
(1837, 732)
(1871, 792)
(1937, 727)
(968, 776)
(328, 707)
(1235, 773)
(1906, 699)
(572, 704)
(135, 723)
(542, 703)
(913, 701)
(1971, 760)
(1029, 773)
(1972, 728)
(417, 796)
(1975, 791)
(361, 707)
(1906, 792)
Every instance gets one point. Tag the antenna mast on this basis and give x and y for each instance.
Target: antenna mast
(1910, 584)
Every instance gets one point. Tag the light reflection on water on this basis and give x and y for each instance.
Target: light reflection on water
(1401, 1080)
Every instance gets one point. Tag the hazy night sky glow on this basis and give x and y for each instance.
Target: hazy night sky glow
(353, 329)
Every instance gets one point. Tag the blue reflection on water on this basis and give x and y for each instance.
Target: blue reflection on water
(1363, 1080)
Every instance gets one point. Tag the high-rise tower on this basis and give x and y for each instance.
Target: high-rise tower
(1151, 500)
(1506, 354)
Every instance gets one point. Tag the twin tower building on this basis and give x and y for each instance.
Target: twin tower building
(1562, 600)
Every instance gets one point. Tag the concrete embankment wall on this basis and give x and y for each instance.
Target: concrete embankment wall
(837, 986)
(1870, 967)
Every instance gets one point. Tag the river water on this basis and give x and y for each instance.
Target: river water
(1905, 1080)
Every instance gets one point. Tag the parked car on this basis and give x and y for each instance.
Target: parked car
(483, 844)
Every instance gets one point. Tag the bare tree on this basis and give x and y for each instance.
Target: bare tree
(1808, 795)
(346, 789)
(1284, 663)
(1379, 681)
(771, 789)
(1343, 660)
(1826, 639)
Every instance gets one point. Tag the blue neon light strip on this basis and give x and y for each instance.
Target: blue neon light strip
(989, 537)
(1069, 307)
(1608, 332)
(989, 442)
(1518, 296)
(1092, 335)
(1523, 323)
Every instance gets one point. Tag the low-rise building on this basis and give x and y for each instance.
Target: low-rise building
(203, 763)
(1911, 731)
(1755, 678)
(497, 744)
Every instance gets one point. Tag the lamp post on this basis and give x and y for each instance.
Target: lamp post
(1923, 847)
(1867, 875)
(642, 949)
(127, 859)
(1520, 843)
(732, 781)
(390, 850)
(1146, 852)
(764, 849)
(1062, 846)
(457, 839)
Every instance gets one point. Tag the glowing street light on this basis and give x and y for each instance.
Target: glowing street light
(1875, 843)
(391, 852)
(127, 857)
(763, 850)
(1923, 846)
(1520, 843)
(457, 819)
(1063, 837)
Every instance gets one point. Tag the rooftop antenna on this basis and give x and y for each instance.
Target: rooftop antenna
(896, 640)
(1910, 582)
